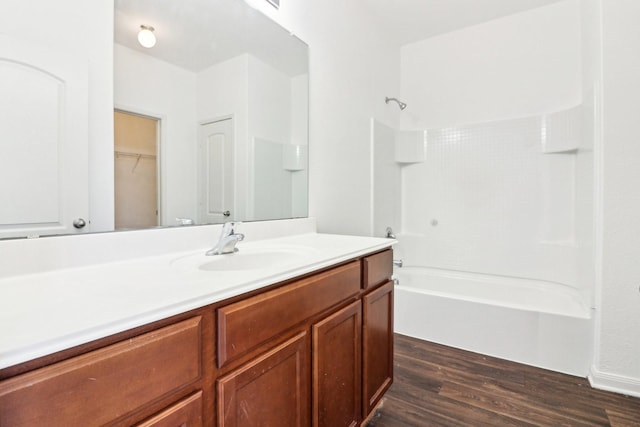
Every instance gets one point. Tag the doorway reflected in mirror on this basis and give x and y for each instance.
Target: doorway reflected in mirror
(135, 170)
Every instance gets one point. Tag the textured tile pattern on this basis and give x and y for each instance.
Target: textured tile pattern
(487, 199)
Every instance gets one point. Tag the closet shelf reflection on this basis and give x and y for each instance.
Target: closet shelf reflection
(138, 156)
(132, 154)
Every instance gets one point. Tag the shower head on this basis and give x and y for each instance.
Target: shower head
(401, 104)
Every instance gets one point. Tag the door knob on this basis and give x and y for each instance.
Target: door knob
(226, 213)
(79, 223)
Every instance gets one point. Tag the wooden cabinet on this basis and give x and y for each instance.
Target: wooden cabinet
(266, 386)
(272, 390)
(377, 345)
(347, 310)
(337, 368)
(244, 325)
(105, 385)
(317, 350)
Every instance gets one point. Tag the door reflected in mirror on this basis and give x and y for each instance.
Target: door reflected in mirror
(216, 199)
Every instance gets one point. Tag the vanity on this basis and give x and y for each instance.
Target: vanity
(289, 331)
(140, 328)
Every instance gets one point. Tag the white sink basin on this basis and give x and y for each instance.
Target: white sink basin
(246, 259)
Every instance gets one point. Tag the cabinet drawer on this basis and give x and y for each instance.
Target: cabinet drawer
(378, 269)
(185, 413)
(106, 384)
(246, 324)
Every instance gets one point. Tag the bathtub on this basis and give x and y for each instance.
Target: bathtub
(539, 323)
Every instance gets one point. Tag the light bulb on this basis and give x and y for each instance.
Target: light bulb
(146, 37)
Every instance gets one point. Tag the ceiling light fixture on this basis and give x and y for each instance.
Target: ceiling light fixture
(146, 37)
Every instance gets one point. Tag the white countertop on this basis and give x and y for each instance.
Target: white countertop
(54, 310)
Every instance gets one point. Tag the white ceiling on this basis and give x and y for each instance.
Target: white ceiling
(195, 34)
(408, 21)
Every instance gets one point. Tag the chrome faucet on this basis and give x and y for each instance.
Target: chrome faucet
(389, 233)
(227, 241)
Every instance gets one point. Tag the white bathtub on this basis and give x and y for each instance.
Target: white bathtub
(529, 321)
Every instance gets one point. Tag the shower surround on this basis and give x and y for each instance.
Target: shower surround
(495, 198)
(487, 183)
(487, 235)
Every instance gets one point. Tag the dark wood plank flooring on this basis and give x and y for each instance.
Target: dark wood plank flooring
(436, 385)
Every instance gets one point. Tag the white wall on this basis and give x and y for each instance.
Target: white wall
(300, 109)
(516, 66)
(269, 102)
(86, 30)
(223, 90)
(617, 364)
(300, 136)
(270, 117)
(353, 66)
(155, 88)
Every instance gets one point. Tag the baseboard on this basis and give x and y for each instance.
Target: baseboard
(613, 382)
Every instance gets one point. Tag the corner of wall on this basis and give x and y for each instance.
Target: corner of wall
(613, 382)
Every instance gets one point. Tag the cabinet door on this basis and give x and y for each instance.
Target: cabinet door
(272, 390)
(377, 345)
(336, 368)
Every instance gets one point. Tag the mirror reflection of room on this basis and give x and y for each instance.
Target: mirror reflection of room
(219, 62)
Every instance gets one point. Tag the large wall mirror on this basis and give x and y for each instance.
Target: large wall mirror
(222, 98)
(211, 123)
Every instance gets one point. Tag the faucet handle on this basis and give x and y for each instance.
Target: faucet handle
(229, 228)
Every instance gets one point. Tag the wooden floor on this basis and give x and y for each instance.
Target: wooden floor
(436, 385)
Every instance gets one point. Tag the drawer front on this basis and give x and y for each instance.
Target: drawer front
(246, 324)
(103, 385)
(378, 269)
(185, 413)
